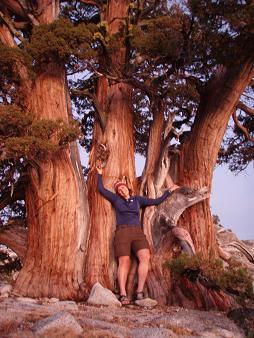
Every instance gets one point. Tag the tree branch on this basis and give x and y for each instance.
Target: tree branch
(12, 29)
(242, 128)
(246, 109)
(180, 200)
(28, 13)
(6, 37)
(14, 7)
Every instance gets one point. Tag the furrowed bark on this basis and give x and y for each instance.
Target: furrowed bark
(56, 201)
(115, 101)
(57, 211)
(199, 153)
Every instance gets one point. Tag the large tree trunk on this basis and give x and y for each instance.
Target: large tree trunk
(199, 153)
(56, 202)
(115, 100)
(57, 210)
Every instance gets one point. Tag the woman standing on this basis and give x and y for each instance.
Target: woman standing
(129, 235)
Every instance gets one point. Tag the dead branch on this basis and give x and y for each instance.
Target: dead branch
(243, 249)
(180, 200)
(162, 170)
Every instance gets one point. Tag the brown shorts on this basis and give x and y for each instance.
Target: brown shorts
(129, 238)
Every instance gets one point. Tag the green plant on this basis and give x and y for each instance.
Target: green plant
(234, 278)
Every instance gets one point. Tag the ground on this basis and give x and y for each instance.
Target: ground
(19, 315)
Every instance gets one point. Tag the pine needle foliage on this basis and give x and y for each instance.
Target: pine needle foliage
(57, 41)
(23, 136)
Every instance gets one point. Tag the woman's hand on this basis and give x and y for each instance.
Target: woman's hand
(99, 169)
(174, 187)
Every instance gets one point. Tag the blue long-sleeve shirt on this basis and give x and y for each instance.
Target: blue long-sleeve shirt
(127, 211)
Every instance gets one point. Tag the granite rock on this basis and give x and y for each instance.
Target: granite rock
(62, 324)
(102, 296)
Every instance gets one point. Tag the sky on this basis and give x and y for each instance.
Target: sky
(233, 200)
(232, 197)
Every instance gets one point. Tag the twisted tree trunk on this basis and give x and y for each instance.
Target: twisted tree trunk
(56, 202)
(115, 102)
(199, 153)
(57, 210)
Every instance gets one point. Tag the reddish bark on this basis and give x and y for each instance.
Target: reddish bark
(115, 101)
(197, 159)
(57, 213)
(194, 295)
(56, 203)
(199, 152)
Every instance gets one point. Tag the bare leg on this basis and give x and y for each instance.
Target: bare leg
(144, 257)
(122, 273)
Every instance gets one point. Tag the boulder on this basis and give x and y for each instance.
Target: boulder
(4, 295)
(152, 333)
(62, 324)
(6, 288)
(146, 302)
(102, 296)
(64, 305)
(27, 300)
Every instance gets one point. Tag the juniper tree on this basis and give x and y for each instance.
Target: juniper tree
(37, 131)
(157, 77)
(188, 68)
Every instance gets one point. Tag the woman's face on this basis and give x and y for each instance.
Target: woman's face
(123, 191)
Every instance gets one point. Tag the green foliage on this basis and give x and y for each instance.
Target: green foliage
(57, 41)
(10, 59)
(234, 278)
(9, 56)
(159, 36)
(22, 136)
(13, 121)
(226, 29)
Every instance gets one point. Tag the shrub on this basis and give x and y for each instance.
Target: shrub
(234, 278)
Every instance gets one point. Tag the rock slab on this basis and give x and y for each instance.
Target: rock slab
(102, 296)
(5, 289)
(146, 302)
(62, 324)
(152, 333)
